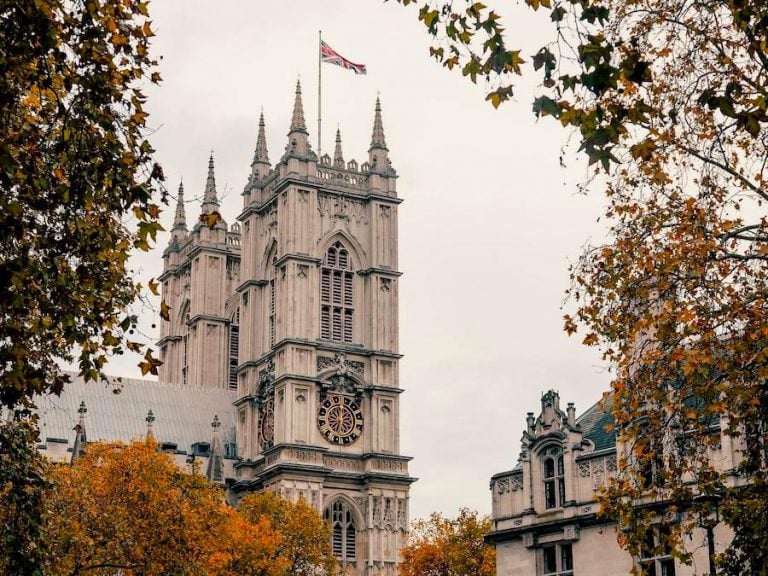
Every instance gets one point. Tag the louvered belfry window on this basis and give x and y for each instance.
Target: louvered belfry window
(343, 531)
(336, 295)
(234, 346)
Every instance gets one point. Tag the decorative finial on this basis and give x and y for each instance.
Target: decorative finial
(216, 423)
(82, 410)
(150, 420)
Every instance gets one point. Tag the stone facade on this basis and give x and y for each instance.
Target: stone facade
(295, 307)
(545, 510)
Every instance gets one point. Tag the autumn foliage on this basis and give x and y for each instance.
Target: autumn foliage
(305, 546)
(129, 509)
(78, 187)
(449, 547)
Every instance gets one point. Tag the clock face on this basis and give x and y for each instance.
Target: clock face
(267, 425)
(340, 419)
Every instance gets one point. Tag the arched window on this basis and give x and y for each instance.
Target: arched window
(343, 532)
(336, 295)
(234, 348)
(554, 478)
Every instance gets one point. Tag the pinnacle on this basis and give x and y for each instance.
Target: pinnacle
(377, 138)
(261, 154)
(180, 220)
(210, 199)
(297, 121)
(338, 157)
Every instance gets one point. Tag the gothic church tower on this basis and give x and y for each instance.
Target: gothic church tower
(201, 270)
(302, 320)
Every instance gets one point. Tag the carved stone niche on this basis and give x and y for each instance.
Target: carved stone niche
(340, 374)
(529, 540)
(570, 532)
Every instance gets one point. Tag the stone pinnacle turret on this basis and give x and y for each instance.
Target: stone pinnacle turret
(377, 138)
(180, 220)
(260, 166)
(210, 199)
(338, 157)
(378, 153)
(297, 121)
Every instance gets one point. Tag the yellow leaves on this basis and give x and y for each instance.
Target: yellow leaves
(118, 39)
(590, 339)
(147, 29)
(150, 364)
(153, 286)
(165, 311)
(210, 219)
(32, 99)
(569, 325)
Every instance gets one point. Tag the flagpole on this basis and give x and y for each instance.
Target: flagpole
(319, 92)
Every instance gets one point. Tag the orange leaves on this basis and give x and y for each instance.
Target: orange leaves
(445, 547)
(304, 547)
(129, 505)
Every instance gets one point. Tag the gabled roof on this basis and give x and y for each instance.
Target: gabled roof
(183, 414)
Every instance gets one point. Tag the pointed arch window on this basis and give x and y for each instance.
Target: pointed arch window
(343, 531)
(554, 478)
(234, 349)
(337, 295)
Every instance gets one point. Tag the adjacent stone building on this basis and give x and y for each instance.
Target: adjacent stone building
(544, 510)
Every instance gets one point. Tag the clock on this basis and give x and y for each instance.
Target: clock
(340, 419)
(267, 425)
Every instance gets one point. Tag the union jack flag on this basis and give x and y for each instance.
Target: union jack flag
(329, 55)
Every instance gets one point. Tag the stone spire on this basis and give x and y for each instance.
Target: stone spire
(298, 137)
(150, 420)
(297, 121)
(377, 138)
(260, 166)
(80, 438)
(215, 469)
(210, 199)
(338, 157)
(180, 220)
(378, 153)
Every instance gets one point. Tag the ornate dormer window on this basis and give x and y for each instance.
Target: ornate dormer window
(554, 477)
(336, 295)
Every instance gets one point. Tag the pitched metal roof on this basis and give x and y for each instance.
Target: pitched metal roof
(183, 414)
(593, 424)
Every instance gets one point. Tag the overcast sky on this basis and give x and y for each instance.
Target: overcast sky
(489, 223)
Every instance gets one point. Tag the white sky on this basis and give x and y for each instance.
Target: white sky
(489, 223)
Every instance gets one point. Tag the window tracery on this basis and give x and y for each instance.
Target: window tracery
(343, 531)
(336, 295)
(554, 477)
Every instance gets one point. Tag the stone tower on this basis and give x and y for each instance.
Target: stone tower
(317, 369)
(201, 270)
(306, 332)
